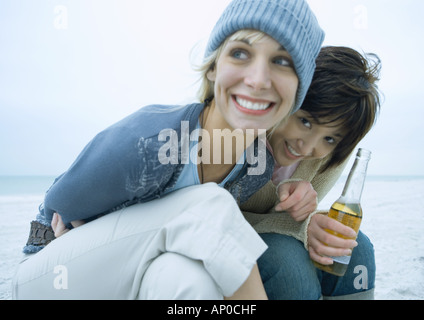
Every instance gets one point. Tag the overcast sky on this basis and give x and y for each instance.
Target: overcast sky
(70, 68)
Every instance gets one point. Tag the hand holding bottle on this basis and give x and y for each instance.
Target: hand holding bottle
(347, 210)
(322, 245)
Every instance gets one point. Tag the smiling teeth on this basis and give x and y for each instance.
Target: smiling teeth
(293, 152)
(251, 105)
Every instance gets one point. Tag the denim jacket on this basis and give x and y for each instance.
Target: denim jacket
(121, 167)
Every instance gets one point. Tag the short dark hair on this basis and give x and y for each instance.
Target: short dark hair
(344, 91)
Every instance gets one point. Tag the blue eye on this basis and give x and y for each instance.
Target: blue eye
(239, 54)
(282, 61)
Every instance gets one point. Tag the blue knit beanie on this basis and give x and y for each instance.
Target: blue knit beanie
(290, 22)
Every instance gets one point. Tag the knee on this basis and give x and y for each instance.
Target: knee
(284, 255)
(363, 259)
(208, 194)
(286, 270)
(363, 254)
(216, 193)
(175, 277)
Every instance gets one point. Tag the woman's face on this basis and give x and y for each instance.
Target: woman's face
(255, 84)
(303, 138)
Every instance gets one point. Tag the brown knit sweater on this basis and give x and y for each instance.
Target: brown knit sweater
(259, 209)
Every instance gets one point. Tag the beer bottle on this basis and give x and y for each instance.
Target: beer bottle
(347, 209)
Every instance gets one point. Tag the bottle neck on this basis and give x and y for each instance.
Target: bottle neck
(352, 191)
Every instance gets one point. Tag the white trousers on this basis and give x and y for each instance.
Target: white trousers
(172, 276)
(191, 244)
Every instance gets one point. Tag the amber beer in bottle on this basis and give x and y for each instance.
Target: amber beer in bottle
(347, 209)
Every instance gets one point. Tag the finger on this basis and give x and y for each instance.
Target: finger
(284, 191)
(296, 197)
(283, 194)
(60, 222)
(292, 194)
(319, 229)
(309, 201)
(300, 210)
(77, 223)
(325, 250)
(60, 232)
(318, 258)
(328, 223)
(60, 228)
(334, 241)
(54, 221)
(289, 202)
(322, 253)
(302, 196)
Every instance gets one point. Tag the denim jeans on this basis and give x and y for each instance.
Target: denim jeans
(289, 274)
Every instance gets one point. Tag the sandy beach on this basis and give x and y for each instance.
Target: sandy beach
(391, 220)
